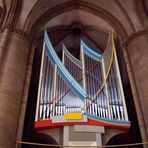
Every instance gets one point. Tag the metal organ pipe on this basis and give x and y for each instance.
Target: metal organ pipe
(38, 108)
(55, 98)
(73, 66)
(106, 92)
(121, 89)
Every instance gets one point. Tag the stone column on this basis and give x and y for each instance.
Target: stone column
(136, 58)
(12, 79)
(25, 95)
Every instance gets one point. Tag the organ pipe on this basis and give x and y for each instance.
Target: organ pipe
(96, 74)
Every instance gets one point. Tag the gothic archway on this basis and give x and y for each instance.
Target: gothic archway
(36, 27)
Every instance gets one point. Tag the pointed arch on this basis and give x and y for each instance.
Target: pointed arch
(36, 26)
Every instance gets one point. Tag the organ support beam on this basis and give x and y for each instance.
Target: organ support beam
(83, 67)
(54, 101)
(120, 85)
(40, 85)
(83, 72)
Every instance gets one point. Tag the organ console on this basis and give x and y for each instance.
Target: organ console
(71, 90)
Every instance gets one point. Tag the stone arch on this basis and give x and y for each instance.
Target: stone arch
(45, 139)
(120, 139)
(36, 26)
(41, 138)
(32, 28)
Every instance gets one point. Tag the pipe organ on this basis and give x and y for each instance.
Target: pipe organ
(71, 88)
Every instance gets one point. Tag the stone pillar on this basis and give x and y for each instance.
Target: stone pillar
(25, 94)
(83, 135)
(12, 78)
(136, 58)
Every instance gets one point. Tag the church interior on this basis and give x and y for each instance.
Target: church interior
(36, 33)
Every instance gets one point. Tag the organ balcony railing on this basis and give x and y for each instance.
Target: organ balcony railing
(74, 91)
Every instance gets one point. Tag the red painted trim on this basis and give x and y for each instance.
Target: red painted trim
(46, 124)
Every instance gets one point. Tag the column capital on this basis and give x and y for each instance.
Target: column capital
(23, 33)
(133, 36)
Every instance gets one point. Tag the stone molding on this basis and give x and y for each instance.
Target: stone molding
(27, 36)
(31, 39)
(135, 35)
